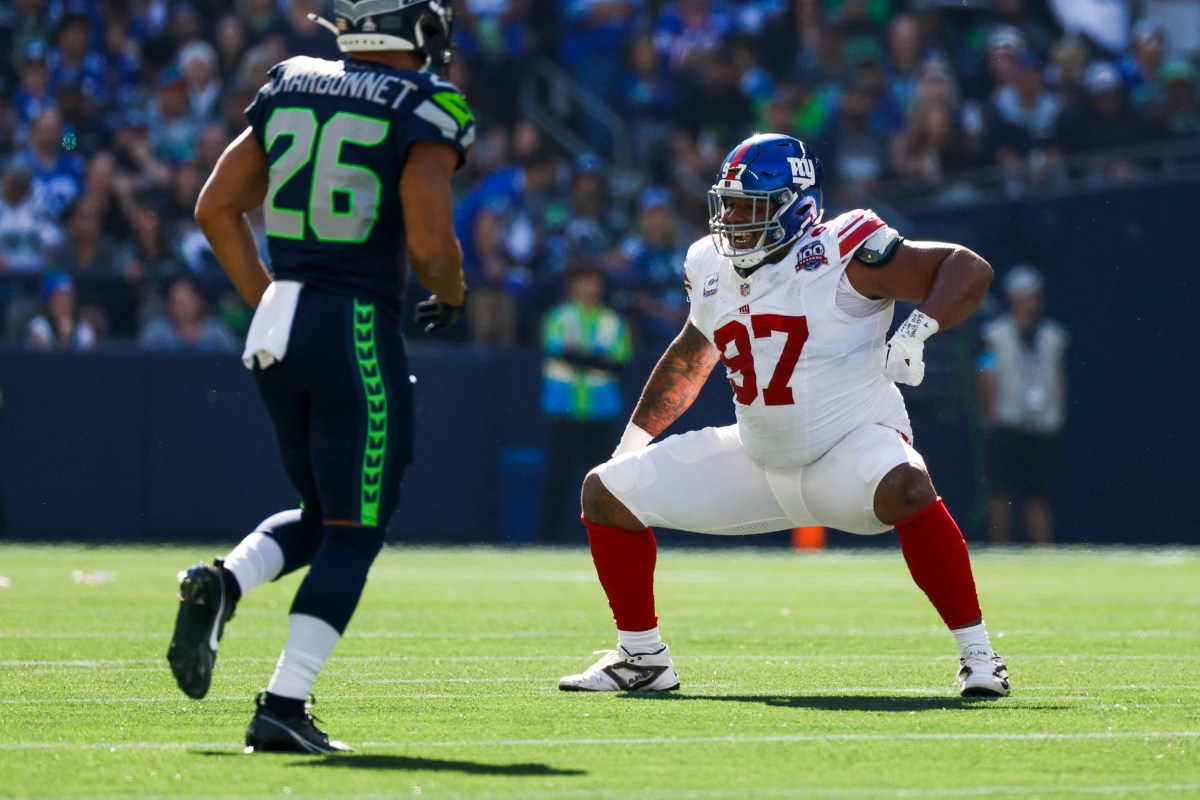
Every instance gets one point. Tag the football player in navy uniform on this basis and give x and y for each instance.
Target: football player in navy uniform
(351, 161)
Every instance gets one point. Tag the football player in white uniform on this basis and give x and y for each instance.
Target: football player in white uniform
(797, 309)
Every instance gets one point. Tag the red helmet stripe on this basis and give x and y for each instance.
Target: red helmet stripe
(737, 159)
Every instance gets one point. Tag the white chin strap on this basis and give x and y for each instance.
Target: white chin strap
(757, 256)
(363, 42)
(749, 260)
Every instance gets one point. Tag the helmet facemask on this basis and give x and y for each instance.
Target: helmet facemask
(433, 36)
(748, 244)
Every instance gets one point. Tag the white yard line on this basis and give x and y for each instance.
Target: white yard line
(652, 740)
(693, 689)
(874, 793)
(931, 695)
(849, 657)
(798, 633)
(466, 635)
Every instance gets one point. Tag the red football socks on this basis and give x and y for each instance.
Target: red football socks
(936, 554)
(625, 563)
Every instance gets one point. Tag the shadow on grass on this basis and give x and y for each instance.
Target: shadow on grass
(408, 763)
(413, 764)
(842, 702)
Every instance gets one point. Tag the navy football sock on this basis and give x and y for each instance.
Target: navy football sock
(338, 574)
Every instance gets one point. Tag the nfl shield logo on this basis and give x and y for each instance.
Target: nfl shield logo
(745, 290)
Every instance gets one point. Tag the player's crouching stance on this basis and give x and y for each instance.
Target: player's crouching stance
(352, 161)
(797, 310)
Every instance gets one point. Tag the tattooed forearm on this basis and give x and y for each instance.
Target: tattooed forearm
(675, 381)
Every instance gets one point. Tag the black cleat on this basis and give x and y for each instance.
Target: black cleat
(271, 732)
(204, 608)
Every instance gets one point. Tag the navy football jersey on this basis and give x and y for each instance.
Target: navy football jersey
(337, 135)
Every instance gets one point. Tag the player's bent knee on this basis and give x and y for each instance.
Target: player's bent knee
(601, 507)
(365, 539)
(904, 491)
(589, 497)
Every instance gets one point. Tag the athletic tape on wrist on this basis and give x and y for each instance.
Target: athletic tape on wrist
(634, 438)
(918, 326)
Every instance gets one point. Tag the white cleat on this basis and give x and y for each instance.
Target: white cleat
(982, 674)
(622, 671)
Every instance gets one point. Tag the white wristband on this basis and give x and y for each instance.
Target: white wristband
(918, 326)
(634, 438)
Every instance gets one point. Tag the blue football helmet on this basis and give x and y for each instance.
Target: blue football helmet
(783, 180)
(424, 26)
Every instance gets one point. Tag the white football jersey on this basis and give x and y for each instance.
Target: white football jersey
(804, 372)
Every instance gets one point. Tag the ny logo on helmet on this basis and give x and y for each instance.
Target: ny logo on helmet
(803, 172)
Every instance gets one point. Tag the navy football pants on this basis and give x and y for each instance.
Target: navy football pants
(342, 406)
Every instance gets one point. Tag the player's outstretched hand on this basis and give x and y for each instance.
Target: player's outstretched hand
(433, 314)
(903, 357)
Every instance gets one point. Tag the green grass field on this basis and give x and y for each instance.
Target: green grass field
(804, 676)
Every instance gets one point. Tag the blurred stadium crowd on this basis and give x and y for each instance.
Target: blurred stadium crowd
(602, 123)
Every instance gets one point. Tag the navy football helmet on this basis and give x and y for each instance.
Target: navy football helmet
(783, 180)
(425, 26)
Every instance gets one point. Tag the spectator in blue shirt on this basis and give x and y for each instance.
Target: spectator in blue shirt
(33, 93)
(74, 62)
(594, 33)
(645, 270)
(58, 173)
(688, 29)
(502, 235)
(648, 100)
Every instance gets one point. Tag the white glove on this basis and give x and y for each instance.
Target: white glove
(902, 357)
(634, 438)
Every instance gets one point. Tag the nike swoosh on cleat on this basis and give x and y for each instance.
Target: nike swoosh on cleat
(305, 744)
(213, 638)
(639, 679)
